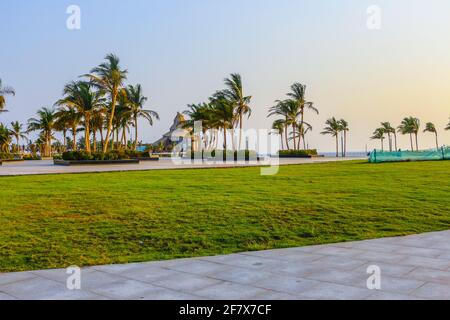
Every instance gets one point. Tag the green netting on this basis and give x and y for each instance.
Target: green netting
(378, 156)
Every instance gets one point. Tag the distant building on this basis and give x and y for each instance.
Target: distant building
(166, 139)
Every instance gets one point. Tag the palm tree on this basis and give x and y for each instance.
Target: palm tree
(344, 129)
(411, 126)
(136, 104)
(278, 126)
(448, 126)
(333, 127)
(235, 93)
(430, 127)
(390, 131)
(5, 138)
(222, 112)
(80, 96)
(97, 124)
(18, 133)
(3, 92)
(297, 94)
(109, 78)
(379, 135)
(197, 112)
(72, 119)
(281, 109)
(45, 123)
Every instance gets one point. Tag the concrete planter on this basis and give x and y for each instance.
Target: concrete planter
(93, 162)
(146, 159)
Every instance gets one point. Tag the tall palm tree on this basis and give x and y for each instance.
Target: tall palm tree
(197, 112)
(390, 131)
(5, 138)
(411, 126)
(333, 127)
(344, 129)
(235, 93)
(3, 92)
(297, 94)
(136, 104)
(72, 119)
(45, 123)
(81, 96)
(223, 114)
(278, 126)
(430, 127)
(379, 135)
(97, 124)
(109, 77)
(282, 109)
(18, 133)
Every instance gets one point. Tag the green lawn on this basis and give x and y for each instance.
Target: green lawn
(85, 219)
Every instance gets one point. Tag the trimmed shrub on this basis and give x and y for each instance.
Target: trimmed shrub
(297, 153)
(83, 155)
(221, 155)
(10, 156)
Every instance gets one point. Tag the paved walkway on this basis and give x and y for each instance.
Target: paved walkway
(412, 267)
(47, 167)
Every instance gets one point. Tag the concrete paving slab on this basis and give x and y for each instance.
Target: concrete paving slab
(410, 269)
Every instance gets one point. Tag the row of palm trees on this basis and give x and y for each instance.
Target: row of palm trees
(292, 125)
(224, 112)
(99, 102)
(337, 128)
(409, 126)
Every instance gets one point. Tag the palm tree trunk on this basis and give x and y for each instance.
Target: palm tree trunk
(411, 140)
(225, 139)
(233, 143)
(342, 144)
(293, 130)
(65, 138)
(337, 145)
(395, 138)
(382, 144)
(101, 137)
(87, 135)
(111, 118)
(437, 141)
(124, 137)
(390, 142)
(17, 146)
(304, 141)
(240, 130)
(417, 142)
(286, 135)
(345, 143)
(300, 131)
(74, 142)
(135, 132)
(95, 139)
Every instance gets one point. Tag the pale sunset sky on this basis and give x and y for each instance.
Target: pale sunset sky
(180, 51)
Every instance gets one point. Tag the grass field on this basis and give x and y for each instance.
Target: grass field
(85, 219)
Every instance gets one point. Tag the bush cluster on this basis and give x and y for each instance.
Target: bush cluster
(298, 153)
(9, 156)
(83, 155)
(225, 155)
(31, 157)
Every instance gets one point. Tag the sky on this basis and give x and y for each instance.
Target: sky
(181, 50)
